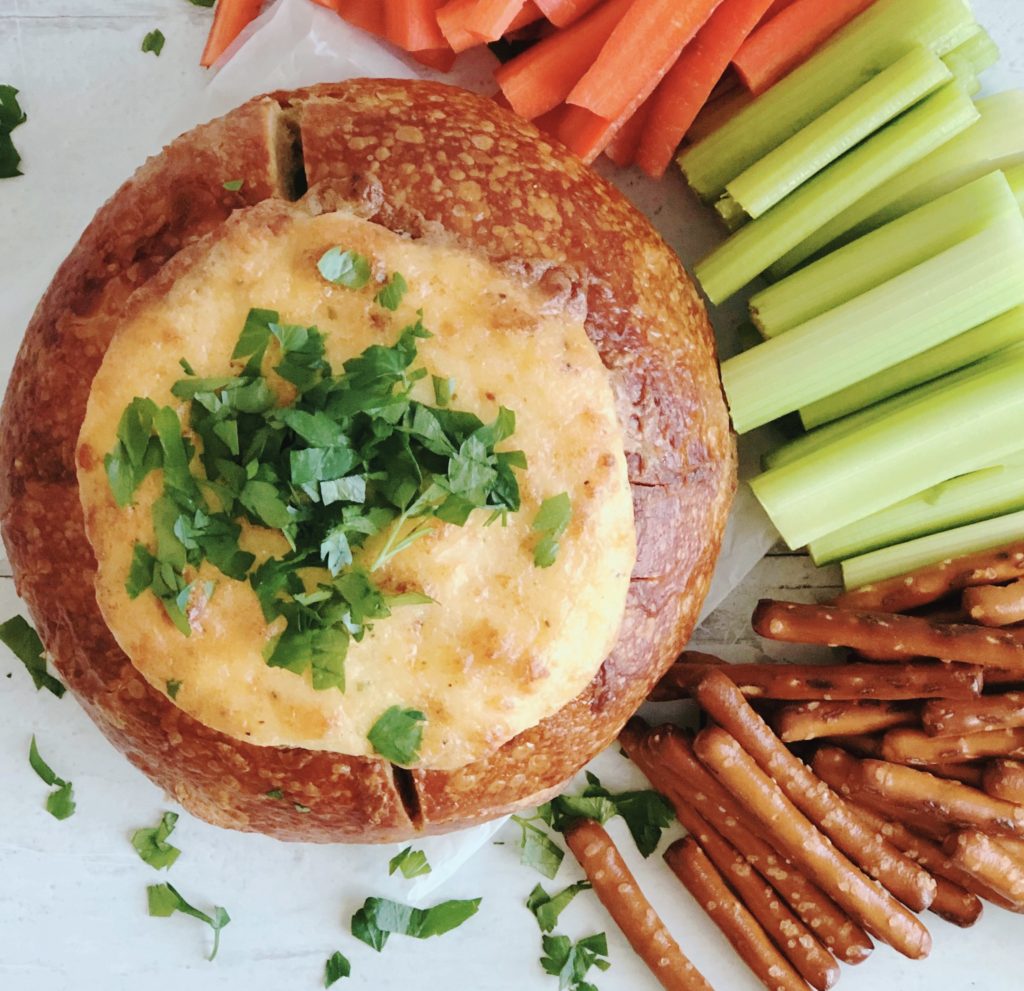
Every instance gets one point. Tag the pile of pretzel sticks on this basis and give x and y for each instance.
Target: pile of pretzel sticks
(902, 793)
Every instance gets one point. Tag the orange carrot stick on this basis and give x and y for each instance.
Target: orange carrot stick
(441, 59)
(529, 13)
(688, 84)
(638, 53)
(540, 79)
(562, 13)
(412, 24)
(622, 148)
(790, 37)
(365, 14)
(229, 18)
(490, 19)
(452, 19)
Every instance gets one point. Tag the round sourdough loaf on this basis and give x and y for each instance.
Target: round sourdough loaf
(427, 162)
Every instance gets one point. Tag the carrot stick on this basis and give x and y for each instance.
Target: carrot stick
(540, 79)
(490, 19)
(638, 53)
(688, 84)
(529, 13)
(562, 13)
(441, 59)
(453, 19)
(622, 148)
(412, 24)
(790, 37)
(365, 14)
(229, 18)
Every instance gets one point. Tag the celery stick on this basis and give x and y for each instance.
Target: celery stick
(901, 558)
(964, 349)
(954, 430)
(996, 141)
(881, 255)
(979, 49)
(836, 131)
(731, 213)
(972, 282)
(978, 495)
(962, 70)
(896, 146)
(869, 43)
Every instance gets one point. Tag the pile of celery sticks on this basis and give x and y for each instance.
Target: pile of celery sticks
(884, 206)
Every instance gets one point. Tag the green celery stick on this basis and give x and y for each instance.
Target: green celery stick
(881, 255)
(885, 32)
(901, 558)
(882, 98)
(899, 144)
(971, 423)
(993, 336)
(731, 213)
(995, 141)
(979, 49)
(978, 495)
(960, 288)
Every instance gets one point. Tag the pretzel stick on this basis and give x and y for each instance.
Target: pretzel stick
(944, 718)
(903, 636)
(618, 891)
(968, 774)
(813, 720)
(1005, 779)
(700, 877)
(863, 746)
(947, 801)
(666, 758)
(933, 582)
(912, 746)
(995, 605)
(983, 857)
(799, 839)
(998, 678)
(789, 934)
(830, 682)
(881, 860)
(1015, 848)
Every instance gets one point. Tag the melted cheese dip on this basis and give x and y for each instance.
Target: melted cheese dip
(506, 643)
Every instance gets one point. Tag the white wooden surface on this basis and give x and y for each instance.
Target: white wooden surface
(72, 894)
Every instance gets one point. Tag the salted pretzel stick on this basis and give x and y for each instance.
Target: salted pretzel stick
(1005, 779)
(912, 746)
(968, 774)
(700, 877)
(941, 717)
(799, 839)
(1015, 848)
(983, 857)
(863, 746)
(813, 720)
(998, 678)
(796, 942)
(906, 636)
(618, 891)
(995, 605)
(935, 581)
(878, 858)
(665, 756)
(830, 682)
(950, 802)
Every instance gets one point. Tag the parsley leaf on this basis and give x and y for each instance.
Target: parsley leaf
(569, 961)
(11, 116)
(336, 968)
(397, 734)
(538, 850)
(233, 185)
(412, 863)
(23, 641)
(390, 295)
(60, 803)
(154, 42)
(165, 900)
(547, 908)
(173, 687)
(152, 846)
(275, 793)
(202, 3)
(380, 917)
(344, 268)
(551, 522)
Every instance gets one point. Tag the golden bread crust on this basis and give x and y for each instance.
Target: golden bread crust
(430, 161)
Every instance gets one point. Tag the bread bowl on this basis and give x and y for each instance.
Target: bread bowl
(449, 173)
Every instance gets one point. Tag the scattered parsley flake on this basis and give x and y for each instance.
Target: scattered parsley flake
(152, 846)
(397, 734)
(60, 803)
(344, 268)
(412, 863)
(173, 687)
(547, 908)
(391, 293)
(380, 917)
(538, 850)
(551, 522)
(569, 961)
(165, 900)
(336, 968)
(11, 116)
(202, 3)
(299, 807)
(443, 389)
(154, 42)
(275, 793)
(22, 640)
(233, 185)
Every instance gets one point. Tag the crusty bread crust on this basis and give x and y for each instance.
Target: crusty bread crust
(430, 161)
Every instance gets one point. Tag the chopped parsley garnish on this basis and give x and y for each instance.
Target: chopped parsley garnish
(551, 522)
(380, 917)
(412, 863)
(11, 116)
(569, 961)
(547, 908)
(23, 641)
(390, 295)
(60, 803)
(173, 687)
(165, 900)
(299, 807)
(336, 968)
(152, 846)
(275, 793)
(538, 850)
(332, 462)
(154, 42)
(397, 734)
(202, 3)
(233, 185)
